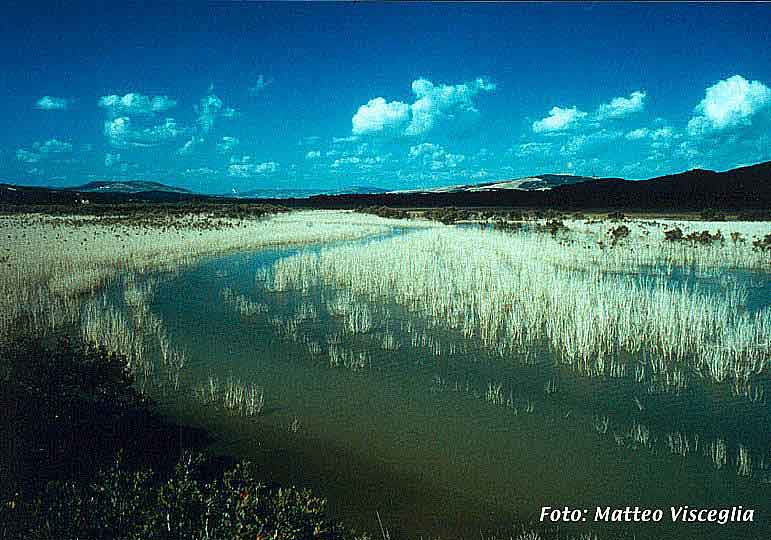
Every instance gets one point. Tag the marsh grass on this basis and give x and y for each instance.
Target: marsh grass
(529, 291)
(52, 263)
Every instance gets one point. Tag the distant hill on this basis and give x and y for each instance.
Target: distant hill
(129, 186)
(742, 188)
(285, 193)
(15, 194)
(530, 183)
(745, 187)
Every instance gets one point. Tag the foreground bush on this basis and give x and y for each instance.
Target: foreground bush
(123, 504)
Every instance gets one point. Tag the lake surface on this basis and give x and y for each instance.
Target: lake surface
(441, 437)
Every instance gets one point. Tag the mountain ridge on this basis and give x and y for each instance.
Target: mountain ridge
(743, 187)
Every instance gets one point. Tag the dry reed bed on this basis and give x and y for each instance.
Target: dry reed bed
(49, 261)
(516, 292)
(646, 247)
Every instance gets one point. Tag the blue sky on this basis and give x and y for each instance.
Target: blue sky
(223, 96)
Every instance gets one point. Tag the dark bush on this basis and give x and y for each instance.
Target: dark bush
(552, 226)
(121, 503)
(763, 244)
(673, 235)
(704, 237)
(618, 233)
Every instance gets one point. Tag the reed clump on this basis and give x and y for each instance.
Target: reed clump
(589, 306)
(234, 395)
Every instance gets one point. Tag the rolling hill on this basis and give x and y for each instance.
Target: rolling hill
(741, 188)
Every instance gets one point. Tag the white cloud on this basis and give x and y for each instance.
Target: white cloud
(208, 110)
(348, 160)
(201, 171)
(50, 103)
(620, 106)
(637, 134)
(435, 157)
(379, 115)
(532, 149)
(433, 105)
(51, 149)
(366, 163)
(246, 167)
(729, 103)
(559, 119)
(26, 156)
(122, 133)
(660, 134)
(588, 142)
(227, 145)
(53, 146)
(313, 154)
(189, 146)
(136, 104)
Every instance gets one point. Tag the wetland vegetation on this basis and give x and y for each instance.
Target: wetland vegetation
(447, 371)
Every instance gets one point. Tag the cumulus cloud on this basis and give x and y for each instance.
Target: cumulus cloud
(434, 104)
(246, 167)
(313, 154)
(637, 134)
(532, 149)
(52, 149)
(589, 142)
(50, 103)
(361, 163)
(729, 103)
(189, 146)
(559, 119)
(348, 160)
(660, 134)
(121, 132)
(209, 109)
(380, 115)
(435, 157)
(53, 146)
(200, 171)
(136, 104)
(227, 145)
(620, 106)
(25, 156)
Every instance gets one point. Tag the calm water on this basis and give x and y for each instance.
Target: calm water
(442, 438)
